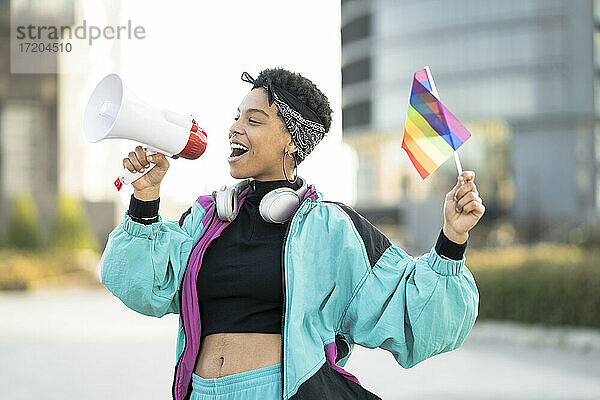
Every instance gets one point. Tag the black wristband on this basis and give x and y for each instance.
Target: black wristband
(145, 212)
(448, 248)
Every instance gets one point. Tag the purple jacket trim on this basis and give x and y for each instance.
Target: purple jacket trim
(190, 311)
(330, 355)
(313, 196)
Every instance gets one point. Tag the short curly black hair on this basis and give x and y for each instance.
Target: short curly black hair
(301, 87)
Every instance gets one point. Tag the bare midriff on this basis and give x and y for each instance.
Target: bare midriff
(230, 353)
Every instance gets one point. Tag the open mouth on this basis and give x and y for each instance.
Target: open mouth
(237, 152)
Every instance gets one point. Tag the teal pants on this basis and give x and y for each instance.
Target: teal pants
(260, 383)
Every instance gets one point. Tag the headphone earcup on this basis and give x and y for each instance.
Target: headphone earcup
(227, 200)
(226, 203)
(279, 205)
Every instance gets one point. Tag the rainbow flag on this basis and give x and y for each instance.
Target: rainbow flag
(431, 133)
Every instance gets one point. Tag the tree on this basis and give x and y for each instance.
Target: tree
(71, 227)
(23, 227)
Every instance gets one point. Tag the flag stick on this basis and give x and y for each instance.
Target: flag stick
(436, 94)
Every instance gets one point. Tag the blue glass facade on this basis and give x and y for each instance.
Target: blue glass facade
(520, 74)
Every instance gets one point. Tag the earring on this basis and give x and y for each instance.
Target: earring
(295, 168)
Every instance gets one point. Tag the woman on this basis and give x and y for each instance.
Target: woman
(283, 294)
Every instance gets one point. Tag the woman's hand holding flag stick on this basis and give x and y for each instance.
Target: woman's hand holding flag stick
(431, 133)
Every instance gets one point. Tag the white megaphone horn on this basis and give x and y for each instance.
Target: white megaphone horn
(113, 112)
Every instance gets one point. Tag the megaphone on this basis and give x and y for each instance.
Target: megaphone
(113, 112)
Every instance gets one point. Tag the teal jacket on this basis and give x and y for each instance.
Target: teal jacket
(344, 283)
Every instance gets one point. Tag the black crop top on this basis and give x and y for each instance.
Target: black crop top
(239, 284)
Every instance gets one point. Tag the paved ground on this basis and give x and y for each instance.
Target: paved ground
(86, 344)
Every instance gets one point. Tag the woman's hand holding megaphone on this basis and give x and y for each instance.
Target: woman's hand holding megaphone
(147, 187)
(114, 112)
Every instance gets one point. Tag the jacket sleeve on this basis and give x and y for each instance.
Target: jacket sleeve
(413, 307)
(143, 264)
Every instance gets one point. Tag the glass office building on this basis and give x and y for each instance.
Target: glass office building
(522, 76)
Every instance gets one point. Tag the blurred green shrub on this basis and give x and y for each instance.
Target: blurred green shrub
(586, 235)
(27, 261)
(24, 269)
(551, 284)
(23, 226)
(71, 227)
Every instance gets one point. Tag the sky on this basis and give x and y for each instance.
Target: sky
(191, 61)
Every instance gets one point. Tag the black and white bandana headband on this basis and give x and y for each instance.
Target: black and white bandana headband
(304, 125)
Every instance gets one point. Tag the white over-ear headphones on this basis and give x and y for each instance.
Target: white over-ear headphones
(276, 207)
